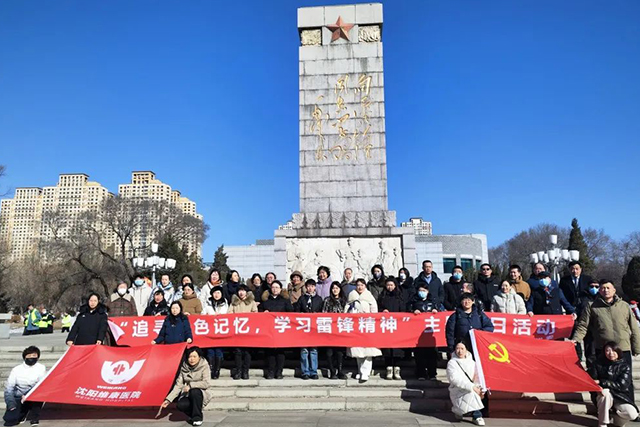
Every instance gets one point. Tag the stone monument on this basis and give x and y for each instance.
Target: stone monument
(344, 220)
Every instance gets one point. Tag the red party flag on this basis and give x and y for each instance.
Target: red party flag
(528, 365)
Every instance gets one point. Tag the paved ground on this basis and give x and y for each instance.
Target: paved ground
(298, 419)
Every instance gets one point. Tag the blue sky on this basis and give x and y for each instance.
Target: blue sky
(500, 114)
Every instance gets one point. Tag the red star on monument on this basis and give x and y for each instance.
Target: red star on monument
(340, 30)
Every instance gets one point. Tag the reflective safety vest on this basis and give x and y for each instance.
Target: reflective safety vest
(43, 322)
(66, 321)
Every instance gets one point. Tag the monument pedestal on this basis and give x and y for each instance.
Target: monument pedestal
(305, 249)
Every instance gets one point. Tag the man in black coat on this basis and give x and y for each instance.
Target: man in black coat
(487, 285)
(575, 283)
(429, 278)
(453, 289)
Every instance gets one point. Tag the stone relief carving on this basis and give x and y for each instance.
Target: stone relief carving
(360, 219)
(369, 33)
(357, 253)
(311, 37)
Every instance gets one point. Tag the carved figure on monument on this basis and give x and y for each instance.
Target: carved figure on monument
(397, 260)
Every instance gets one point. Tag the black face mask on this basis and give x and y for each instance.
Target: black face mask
(30, 361)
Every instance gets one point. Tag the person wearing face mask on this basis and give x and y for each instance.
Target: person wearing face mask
(453, 289)
(536, 270)
(426, 357)
(585, 299)
(46, 321)
(376, 284)
(21, 380)
(120, 302)
(548, 298)
(140, 293)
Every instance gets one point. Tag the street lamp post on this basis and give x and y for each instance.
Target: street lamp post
(154, 262)
(552, 258)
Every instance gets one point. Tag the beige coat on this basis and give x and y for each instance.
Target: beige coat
(522, 287)
(191, 305)
(247, 306)
(198, 376)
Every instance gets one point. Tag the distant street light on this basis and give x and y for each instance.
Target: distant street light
(553, 257)
(154, 262)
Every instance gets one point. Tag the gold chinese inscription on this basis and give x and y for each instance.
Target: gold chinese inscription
(353, 127)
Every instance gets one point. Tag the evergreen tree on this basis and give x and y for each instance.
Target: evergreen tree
(576, 242)
(631, 280)
(220, 262)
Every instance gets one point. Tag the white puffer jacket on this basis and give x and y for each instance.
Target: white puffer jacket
(463, 398)
(362, 303)
(510, 303)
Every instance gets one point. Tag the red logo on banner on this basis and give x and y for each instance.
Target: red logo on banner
(111, 376)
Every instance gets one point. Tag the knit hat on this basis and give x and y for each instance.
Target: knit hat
(296, 273)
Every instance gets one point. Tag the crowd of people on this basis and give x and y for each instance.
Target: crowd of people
(606, 325)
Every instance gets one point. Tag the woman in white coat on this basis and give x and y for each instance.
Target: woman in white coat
(362, 301)
(508, 301)
(465, 392)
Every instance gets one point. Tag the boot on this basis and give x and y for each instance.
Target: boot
(246, 364)
(396, 373)
(389, 373)
(245, 374)
(341, 374)
(237, 373)
(217, 362)
(332, 372)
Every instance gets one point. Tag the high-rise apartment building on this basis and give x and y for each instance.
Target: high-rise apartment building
(144, 185)
(21, 219)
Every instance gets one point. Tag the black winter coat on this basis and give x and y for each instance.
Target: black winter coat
(569, 288)
(408, 290)
(277, 304)
(452, 292)
(551, 303)
(486, 288)
(436, 290)
(231, 289)
(332, 305)
(616, 376)
(90, 326)
(392, 301)
(460, 323)
(153, 309)
(423, 305)
(303, 306)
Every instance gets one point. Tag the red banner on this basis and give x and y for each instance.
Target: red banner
(381, 330)
(111, 376)
(509, 363)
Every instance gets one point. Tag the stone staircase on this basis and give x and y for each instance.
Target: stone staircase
(377, 394)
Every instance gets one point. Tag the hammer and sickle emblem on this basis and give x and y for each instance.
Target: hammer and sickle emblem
(499, 353)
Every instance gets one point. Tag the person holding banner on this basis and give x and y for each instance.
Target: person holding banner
(362, 301)
(335, 303)
(121, 303)
(175, 328)
(391, 300)
(466, 317)
(21, 380)
(310, 302)
(91, 323)
(465, 392)
(192, 386)
(426, 357)
(218, 305)
(157, 307)
(613, 374)
(275, 303)
(242, 302)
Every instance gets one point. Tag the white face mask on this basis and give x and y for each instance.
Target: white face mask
(122, 291)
